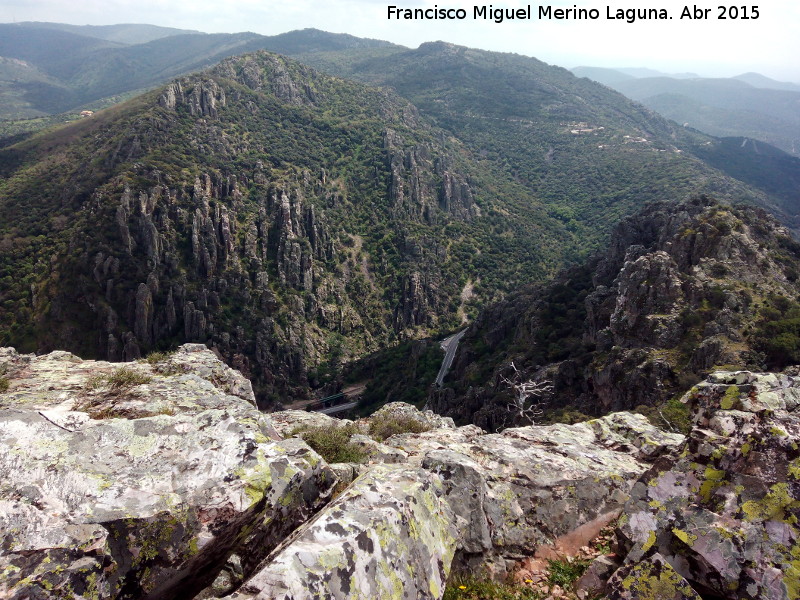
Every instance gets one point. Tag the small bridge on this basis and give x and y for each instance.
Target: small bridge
(337, 403)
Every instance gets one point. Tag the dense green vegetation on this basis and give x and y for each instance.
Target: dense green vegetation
(335, 219)
(777, 333)
(402, 373)
(333, 443)
(589, 154)
(327, 152)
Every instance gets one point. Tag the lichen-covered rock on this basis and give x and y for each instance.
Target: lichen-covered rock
(389, 535)
(378, 452)
(724, 514)
(651, 579)
(139, 481)
(286, 422)
(526, 487)
(622, 429)
(514, 493)
(404, 411)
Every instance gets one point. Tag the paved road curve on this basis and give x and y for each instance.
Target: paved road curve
(449, 345)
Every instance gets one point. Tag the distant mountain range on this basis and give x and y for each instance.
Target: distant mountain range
(749, 105)
(51, 68)
(48, 68)
(124, 33)
(295, 218)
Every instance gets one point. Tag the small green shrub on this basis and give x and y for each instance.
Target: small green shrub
(119, 379)
(333, 443)
(155, 358)
(472, 588)
(565, 573)
(125, 377)
(384, 428)
(673, 415)
(4, 383)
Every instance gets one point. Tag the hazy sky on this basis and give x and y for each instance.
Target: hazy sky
(713, 47)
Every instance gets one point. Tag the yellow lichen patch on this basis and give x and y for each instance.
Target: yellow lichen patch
(685, 537)
(142, 445)
(714, 478)
(725, 534)
(791, 579)
(647, 582)
(651, 541)
(772, 506)
(257, 480)
(728, 400)
(719, 452)
(794, 468)
(746, 447)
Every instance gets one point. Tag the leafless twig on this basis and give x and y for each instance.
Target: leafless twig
(529, 398)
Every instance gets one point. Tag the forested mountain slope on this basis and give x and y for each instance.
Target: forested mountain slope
(588, 152)
(48, 68)
(295, 220)
(682, 290)
(290, 219)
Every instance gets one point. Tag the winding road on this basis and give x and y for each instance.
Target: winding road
(449, 345)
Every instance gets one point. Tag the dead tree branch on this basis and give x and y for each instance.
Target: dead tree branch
(529, 398)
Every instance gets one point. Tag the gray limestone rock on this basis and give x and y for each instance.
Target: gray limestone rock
(389, 535)
(403, 410)
(724, 514)
(136, 482)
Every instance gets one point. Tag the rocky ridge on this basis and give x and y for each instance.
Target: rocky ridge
(681, 291)
(233, 221)
(160, 479)
(289, 219)
(141, 481)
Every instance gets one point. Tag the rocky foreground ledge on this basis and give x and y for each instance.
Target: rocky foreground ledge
(160, 479)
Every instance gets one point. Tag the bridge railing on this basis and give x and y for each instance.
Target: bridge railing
(329, 401)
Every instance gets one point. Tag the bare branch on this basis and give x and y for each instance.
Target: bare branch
(529, 397)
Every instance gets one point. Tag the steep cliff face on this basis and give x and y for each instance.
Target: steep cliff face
(289, 219)
(680, 291)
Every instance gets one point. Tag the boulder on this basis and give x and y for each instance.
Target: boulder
(289, 421)
(404, 411)
(389, 535)
(724, 514)
(140, 480)
(531, 486)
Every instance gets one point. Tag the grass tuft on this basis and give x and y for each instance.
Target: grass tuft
(471, 588)
(118, 380)
(333, 443)
(383, 428)
(565, 573)
(125, 378)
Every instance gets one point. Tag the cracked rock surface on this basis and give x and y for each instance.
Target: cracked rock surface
(141, 490)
